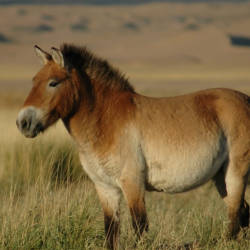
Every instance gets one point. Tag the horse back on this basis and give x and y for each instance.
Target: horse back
(206, 111)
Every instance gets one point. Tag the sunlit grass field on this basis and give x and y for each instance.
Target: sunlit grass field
(47, 201)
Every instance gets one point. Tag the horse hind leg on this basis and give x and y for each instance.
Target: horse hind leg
(238, 209)
(231, 184)
(244, 215)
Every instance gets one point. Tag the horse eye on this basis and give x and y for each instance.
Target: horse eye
(53, 83)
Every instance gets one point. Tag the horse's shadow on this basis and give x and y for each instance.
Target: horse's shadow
(185, 246)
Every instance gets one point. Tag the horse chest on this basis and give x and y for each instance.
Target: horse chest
(100, 171)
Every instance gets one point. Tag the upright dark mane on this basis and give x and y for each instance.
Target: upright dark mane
(96, 68)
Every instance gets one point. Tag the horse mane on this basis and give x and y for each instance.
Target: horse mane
(96, 68)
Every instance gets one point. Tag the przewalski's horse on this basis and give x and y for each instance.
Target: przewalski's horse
(129, 143)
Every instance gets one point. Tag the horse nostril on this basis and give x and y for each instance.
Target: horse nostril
(25, 124)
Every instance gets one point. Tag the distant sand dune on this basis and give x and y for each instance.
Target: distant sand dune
(151, 43)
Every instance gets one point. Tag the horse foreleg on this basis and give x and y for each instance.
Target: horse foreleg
(110, 199)
(134, 194)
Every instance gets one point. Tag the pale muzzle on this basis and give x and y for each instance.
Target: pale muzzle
(29, 121)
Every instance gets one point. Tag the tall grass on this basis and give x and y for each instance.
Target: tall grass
(47, 202)
(46, 199)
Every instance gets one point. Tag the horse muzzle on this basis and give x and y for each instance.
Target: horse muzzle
(29, 121)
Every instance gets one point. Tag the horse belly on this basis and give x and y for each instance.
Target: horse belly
(182, 171)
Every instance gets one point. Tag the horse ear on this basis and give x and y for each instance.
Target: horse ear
(57, 56)
(43, 55)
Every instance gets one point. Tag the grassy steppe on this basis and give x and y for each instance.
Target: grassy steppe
(47, 202)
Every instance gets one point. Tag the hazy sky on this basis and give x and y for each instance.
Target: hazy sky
(107, 1)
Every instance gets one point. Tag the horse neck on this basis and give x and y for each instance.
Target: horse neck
(99, 115)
